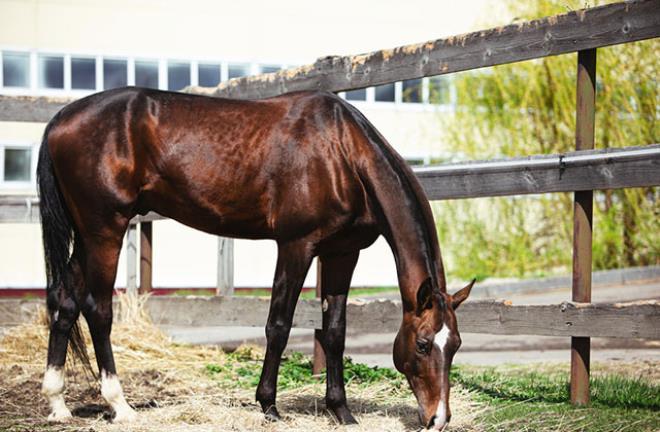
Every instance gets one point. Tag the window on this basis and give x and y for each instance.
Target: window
(270, 68)
(238, 70)
(208, 75)
(83, 73)
(15, 69)
(357, 95)
(385, 93)
(51, 72)
(178, 75)
(115, 74)
(439, 92)
(412, 91)
(146, 74)
(17, 164)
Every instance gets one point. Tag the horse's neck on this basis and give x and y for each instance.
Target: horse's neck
(409, 229)
(406, 222)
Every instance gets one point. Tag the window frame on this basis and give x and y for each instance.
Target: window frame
(69, 63)
(16, 185)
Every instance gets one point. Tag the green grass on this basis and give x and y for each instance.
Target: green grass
(522, 399)
(509, 398)
(242, 368)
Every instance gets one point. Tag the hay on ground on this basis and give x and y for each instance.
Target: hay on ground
(169, 386)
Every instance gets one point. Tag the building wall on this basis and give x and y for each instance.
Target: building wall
(285, 33)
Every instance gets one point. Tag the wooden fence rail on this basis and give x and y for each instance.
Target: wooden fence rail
(624, 320)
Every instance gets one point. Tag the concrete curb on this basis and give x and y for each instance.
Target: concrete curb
(601, 277)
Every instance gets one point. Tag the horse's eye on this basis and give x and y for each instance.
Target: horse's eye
(423, 346)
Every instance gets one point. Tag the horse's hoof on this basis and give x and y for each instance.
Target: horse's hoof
(271, 414)
(344, 416)
(59, 416)
(125, 415)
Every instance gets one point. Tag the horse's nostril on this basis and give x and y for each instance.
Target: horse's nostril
(448, 418)
(431, 421)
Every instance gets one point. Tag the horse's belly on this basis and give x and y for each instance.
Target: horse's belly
(214, 216)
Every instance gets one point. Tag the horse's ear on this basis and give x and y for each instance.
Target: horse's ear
(424, 296)
(461, 295)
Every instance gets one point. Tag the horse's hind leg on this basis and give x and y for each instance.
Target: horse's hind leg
(336, 274)
(64, 312)
(293, 262)
(102, 255)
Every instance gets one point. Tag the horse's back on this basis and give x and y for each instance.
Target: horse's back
(259, 169)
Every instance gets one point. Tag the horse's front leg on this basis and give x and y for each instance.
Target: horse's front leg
(293, 262)
(336, 274)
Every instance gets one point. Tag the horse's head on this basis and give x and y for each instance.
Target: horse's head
(424, 349)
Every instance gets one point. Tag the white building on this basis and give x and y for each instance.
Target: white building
(77, 47)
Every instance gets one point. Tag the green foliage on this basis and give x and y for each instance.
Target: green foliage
(529, 108)
(243, 369)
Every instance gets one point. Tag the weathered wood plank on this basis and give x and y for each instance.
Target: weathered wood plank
(39, 109)
(579, 30)
(225, 267)
(574, 171)
(19, 209)
(638, 320)
(624, 320)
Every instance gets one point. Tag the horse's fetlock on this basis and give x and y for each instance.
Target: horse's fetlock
(265, 395)
(335, 397)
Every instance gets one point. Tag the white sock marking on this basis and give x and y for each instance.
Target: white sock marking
(113, 394)
(52, 388)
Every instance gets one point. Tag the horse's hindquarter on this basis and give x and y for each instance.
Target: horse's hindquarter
(260, 169)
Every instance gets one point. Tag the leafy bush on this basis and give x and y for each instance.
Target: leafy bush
(529, 108)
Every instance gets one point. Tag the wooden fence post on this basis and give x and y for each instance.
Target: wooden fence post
(146, 238)
(225, 285)
(582, 222)
(131, 256)
(319, 355)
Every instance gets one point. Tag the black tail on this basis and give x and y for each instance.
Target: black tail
(57, 233)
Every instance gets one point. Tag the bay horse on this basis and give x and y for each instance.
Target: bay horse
(305, 169)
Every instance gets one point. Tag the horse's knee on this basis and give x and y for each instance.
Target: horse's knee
(98, 314)
(277, 333)
(64, 315)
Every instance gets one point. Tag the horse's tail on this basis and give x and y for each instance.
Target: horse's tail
(57, 231)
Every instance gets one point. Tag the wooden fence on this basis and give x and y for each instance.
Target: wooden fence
(581, 171)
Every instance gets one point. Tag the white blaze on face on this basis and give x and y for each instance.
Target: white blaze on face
(52, 388)
(113, 394)
(440, 420)
(441, 338)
